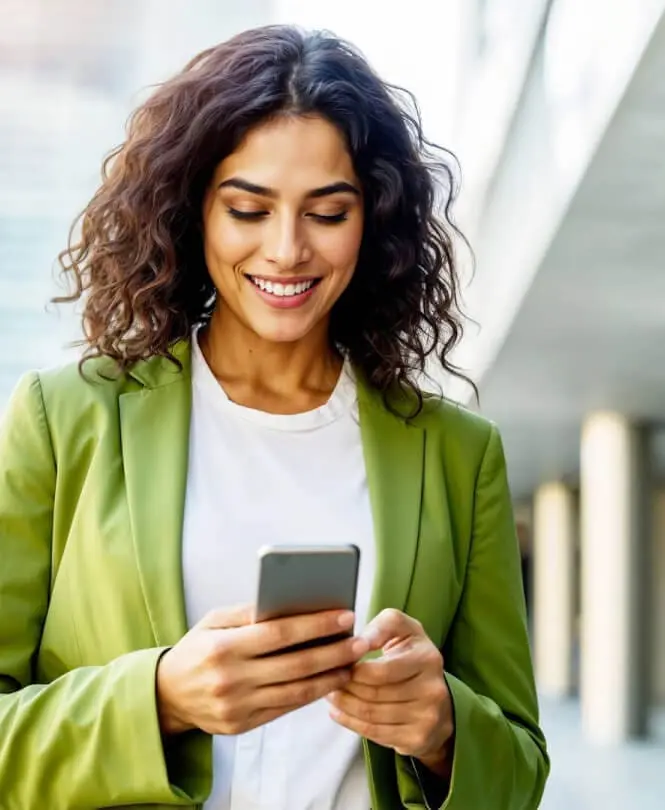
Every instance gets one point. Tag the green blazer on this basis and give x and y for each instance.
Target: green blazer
(92, 486)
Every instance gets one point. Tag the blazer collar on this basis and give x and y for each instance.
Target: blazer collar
(154, 419)
(156, 372)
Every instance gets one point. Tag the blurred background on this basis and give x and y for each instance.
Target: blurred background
(556, 110)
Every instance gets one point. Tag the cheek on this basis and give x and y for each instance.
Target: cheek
(341, 250)
(226, 245)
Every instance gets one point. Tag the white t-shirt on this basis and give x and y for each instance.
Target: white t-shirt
(256, 478)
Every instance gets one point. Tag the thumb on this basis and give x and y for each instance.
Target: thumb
(390, 626)
(228, 617)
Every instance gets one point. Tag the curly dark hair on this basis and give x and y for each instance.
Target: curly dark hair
(138, 261)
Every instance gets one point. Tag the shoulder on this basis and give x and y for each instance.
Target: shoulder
(99, 380)
(68, 401)
(446, 414)
(463, 439)
(455, 423)
(90, 394)
(65, 385)
(74, 386)
(50, 406)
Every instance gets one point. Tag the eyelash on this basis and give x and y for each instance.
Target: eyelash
(253, 216)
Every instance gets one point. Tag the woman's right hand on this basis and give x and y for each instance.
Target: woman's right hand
(215, 678)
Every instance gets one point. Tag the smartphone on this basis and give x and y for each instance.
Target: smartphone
(306, 579)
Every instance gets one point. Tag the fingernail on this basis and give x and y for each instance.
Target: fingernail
(346, 619)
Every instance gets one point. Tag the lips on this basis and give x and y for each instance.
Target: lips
(285, 289)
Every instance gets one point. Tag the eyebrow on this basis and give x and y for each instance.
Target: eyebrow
(263, 191)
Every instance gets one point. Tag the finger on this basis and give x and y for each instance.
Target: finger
(228, 617)
(386, 671)
(394, 736)
(267, 637)
(375, 713)
(263, 716)
(402, 692)
(389, 626)
(299, 693)
(297, 666)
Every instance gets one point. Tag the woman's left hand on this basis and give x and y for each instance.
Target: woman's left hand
(400, 700)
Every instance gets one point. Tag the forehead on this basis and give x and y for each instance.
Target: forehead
(290, 153)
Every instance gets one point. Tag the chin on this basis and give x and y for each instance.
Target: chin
(291, 333)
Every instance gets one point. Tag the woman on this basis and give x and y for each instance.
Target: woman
(264, 275)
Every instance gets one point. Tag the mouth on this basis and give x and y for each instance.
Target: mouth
(286, 289)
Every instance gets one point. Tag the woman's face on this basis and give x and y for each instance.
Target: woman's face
(282, 227)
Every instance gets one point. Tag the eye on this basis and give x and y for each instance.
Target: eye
(330, 219)
(246, 216)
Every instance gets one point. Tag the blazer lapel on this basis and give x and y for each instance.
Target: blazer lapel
(394, 459)
(154, 422)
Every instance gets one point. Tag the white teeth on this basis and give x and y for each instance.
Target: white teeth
(282, 290)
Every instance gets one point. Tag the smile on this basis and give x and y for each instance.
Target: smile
(283, 290)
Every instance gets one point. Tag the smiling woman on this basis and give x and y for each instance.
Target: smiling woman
(264, 274)
(265, 142)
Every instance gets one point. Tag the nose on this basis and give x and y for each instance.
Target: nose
(286, 243)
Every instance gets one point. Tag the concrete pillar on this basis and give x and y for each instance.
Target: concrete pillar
(615, 507)
(554, 533)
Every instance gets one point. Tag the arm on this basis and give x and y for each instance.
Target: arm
(91, 738)
(500, 760)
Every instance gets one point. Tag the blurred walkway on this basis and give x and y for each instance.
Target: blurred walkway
(630, 777)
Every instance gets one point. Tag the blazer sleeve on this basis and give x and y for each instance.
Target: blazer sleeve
(90, 738)
(500, 757)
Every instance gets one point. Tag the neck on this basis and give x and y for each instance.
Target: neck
(282, 377)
